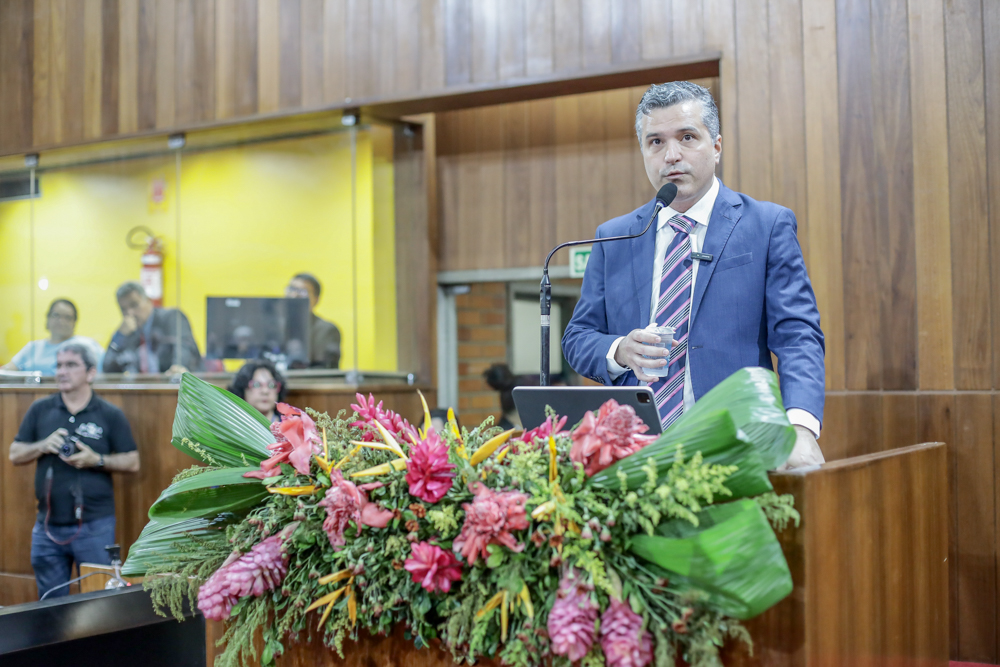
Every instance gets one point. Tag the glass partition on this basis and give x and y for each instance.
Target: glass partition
(280, 246)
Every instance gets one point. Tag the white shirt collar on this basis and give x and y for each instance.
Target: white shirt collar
(701, 212)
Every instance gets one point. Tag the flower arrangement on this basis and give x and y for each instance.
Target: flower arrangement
(596, 543)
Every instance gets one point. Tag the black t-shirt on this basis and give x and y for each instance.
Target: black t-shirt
(102, 427)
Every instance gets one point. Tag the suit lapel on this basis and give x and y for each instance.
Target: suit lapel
(725, 215)
(643, 253)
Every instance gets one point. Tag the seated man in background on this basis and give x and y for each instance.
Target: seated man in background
(40, 355)
(78, 439)
(147, 340)
(324, 340)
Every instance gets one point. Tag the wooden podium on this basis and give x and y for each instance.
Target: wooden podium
(869, 563)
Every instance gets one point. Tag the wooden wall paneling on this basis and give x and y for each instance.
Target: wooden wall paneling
(109, 67)
(976, 529)
(511, 38)
(57, 69)
(787, 93)
(8, 431)
(626, 30)
(446, 126)
(991, 72)
(334, 51)
(567, 168)
(864, 413)
(900, 422)
(754, 71)
(407, 47)
(432, 45)
(720, 34)
(822, 154)
(542, 214)
(246, 94)
(70, 63)
(592, 178)
(621, 155)
(834, 427)
(93, 42)
(566, 38)
(225, 58)
(311, 53)
(290, 54)
(540, 44)
(458, 42)
(936, 423)
(485, 40)
(931, 208)
(858, 172)
(595, 33)
(642, 190)
(18, 493)
(657, 29)
(688, 27)
(199, 18)
(383, 51)
(893, 210)
(17, 589)
(41, 73)
(163, 73)
(967, 182)
(490, 249)
(145, 90)
(268, 58)
(16, 85)
(361, 68)
(128, 70)
(517, 186)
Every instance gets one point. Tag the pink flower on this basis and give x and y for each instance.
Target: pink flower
(571, 621)
(489, 518)
(296, 440)
(542, 432)
(370, 412)
(624, 641)
(253, 573)
(344, 502)
(428, 471)
(432, 567)
(610, 436)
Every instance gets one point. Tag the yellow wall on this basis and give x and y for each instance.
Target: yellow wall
(249, 218)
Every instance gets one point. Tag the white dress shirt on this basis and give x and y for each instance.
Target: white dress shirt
(700, 213)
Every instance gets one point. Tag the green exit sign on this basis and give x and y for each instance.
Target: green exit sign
(578, 260)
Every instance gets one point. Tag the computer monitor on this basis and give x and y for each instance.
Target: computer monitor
(240, 327)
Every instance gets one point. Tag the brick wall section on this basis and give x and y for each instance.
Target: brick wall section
(482, 341)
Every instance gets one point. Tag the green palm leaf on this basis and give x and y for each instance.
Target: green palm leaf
(217, 428)
(209, 494)
(161, 542)
(715, 436)
(732, 555)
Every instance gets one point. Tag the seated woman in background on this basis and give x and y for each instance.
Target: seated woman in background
(260, 384)
(40, 355)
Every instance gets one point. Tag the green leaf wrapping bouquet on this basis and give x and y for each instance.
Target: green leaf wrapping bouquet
(598, 543)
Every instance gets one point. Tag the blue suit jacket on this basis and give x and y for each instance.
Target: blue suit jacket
(752, 298)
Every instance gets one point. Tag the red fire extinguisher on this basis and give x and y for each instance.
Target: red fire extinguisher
(151, 269)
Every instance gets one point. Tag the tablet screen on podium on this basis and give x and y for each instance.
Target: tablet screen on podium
(573, 402)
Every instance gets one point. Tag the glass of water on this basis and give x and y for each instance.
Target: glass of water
(666, 335)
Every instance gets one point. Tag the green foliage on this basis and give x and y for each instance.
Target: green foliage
(444, 520)
(779, 510)
(209, 494)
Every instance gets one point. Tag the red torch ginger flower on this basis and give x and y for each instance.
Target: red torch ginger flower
(624, 641)
(344, 502)
(370, 412)
(253, 573)
(296, 440)
(428, 471)
(571, 621)
(432, 567)
(616, 432)
(489, 518)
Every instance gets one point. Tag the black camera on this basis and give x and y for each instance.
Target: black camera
(69, 446)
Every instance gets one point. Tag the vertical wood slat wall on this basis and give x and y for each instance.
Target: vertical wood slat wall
(878, 122)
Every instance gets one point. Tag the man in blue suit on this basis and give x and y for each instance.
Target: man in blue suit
(724, 270)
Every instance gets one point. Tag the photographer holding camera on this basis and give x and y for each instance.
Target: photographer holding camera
(78, 440)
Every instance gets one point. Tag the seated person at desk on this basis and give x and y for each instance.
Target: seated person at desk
(78, 440)
(260, 384)
(40, 355)
(146, 341)
(324, 340)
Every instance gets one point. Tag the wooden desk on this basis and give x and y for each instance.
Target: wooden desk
(150, 410)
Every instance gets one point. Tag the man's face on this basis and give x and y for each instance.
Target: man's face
(137, 305)
(300, 289)
(71, 372)
(677, 148)
(61, 321)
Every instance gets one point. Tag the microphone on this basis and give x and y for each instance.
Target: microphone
(664, 197)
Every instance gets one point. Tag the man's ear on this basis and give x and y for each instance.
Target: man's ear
(718, 148)
(91, 374)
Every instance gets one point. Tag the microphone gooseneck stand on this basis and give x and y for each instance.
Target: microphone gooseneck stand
(664, 197)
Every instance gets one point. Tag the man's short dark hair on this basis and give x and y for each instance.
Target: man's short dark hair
(663, 95)
(65, 301)
(130, 287)
(311, 279)
(86, 354)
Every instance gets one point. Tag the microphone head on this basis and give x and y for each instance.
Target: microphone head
(666, 194)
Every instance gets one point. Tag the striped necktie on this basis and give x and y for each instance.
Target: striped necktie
(674, 310)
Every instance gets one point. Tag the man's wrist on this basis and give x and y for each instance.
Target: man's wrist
(805, 419)
(614, 368)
